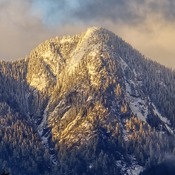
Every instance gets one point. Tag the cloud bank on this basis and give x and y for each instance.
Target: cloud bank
(147, 24)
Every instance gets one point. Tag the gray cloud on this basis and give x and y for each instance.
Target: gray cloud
(117, 11)
(61, 12)
(131, 12)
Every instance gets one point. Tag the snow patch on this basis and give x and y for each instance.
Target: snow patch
(163, 119)
(44, 138)
(83, 48)
(133, 169)
(123, 64)
(136, 103)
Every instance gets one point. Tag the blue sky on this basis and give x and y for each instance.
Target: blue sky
(146, 24)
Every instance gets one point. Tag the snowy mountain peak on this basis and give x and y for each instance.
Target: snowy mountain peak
(98, 30)
(92, 29)
(91, 99)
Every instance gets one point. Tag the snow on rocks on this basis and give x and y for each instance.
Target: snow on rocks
(133, 169)
(163, 119)
(137, 103)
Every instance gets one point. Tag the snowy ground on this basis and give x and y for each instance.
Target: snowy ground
(44, 138)
(137, 104)
(134, 169)
(163, 119)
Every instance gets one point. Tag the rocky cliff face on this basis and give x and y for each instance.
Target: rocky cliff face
(90, 99)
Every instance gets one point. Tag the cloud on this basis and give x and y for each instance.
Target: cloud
(147, 24)
(55, 12)
(131, 12)
(19, 28)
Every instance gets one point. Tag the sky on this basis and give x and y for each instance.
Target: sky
(148, 25)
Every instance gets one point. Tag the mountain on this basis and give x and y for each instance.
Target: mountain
(85, 104)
